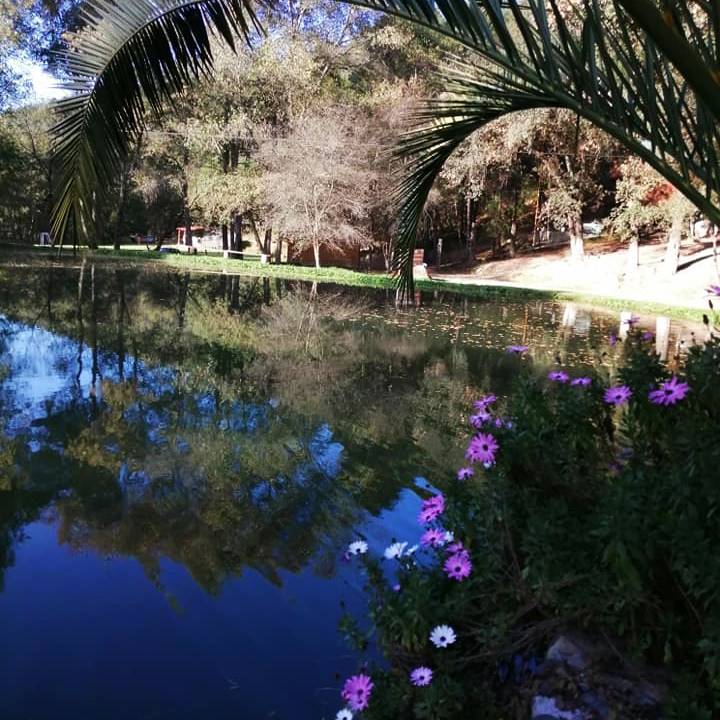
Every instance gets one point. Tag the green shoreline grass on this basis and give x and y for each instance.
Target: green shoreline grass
(15, 255)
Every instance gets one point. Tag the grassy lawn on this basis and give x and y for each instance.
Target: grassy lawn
(138, 255)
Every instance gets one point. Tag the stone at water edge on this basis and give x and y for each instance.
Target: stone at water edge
(545, 708)
(571, 651)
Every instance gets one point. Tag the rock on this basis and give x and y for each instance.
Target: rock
(585, 679)
(546, 707)
(571, 651)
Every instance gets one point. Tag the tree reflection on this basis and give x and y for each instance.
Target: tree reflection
(227, 423)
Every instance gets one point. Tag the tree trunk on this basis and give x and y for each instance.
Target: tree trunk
(224, 230)
(127, 170)
(517, 192)
(473, 231)
(238, 233)
(633, 259)
(497, 240)
(256, 234)
(122, 201)
(577, 246)
(267, 244)
(387, 251)
(469, 226)
(460, 219)
(278, 249)
(316, 253)
(536, 221)
(672, 254)
(512, 241)
(187, 220)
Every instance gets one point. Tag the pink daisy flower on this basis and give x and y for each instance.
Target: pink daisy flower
(356, 691)
(433, 537)
(581, 382)
(484, 401)
(464, 473)
(421, 676)
(558, 376)
(458, 566)
(456, 547)
(480, 417)
(482, 448)
(669, 392)
(618, 395)
(431, 509)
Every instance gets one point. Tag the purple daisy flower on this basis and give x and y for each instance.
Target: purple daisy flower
(647, 336)
(517, 349)
(558, 376)
(421, 676)
(482, 448)
(431, 509)
(357, 690)
(480, 417)
(433, 537)
(484, 401)
(456, 547)
(464, 473)
(458, 566)
(714, 290)
(581, 381)
(396, 587)
(613, 339)
(669, 392)
(618, 395)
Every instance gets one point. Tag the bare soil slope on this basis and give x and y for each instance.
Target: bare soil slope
(604, 271)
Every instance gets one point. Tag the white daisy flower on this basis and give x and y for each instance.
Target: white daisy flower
(449, 536)
(395, 550)
(344, 714)
(359, 547)
(442, 636)
(411, 550)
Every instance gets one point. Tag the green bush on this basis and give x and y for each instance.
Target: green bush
(595, 516)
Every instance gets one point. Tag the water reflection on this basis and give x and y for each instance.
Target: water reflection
(194, 452)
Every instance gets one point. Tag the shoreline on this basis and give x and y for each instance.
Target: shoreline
(13, 256)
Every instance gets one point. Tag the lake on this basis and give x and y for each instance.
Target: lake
(184, 459)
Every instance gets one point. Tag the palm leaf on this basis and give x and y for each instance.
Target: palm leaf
(131, 57)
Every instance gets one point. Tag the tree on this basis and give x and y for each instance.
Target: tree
(630, 71)
(646, 204)
(26, 173)
(30, 29)
(318, 180)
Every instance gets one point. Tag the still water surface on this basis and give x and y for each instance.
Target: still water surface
(183, 460)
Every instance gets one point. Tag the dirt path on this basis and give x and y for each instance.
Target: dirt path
(603, 272)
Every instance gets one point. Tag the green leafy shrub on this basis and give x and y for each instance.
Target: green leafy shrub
(592, 515)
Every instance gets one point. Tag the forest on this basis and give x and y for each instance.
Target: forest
(291, 144)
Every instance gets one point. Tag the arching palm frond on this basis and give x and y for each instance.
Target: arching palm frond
(472, 101)
(131, 56)
(696, 57)
(612, 66)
